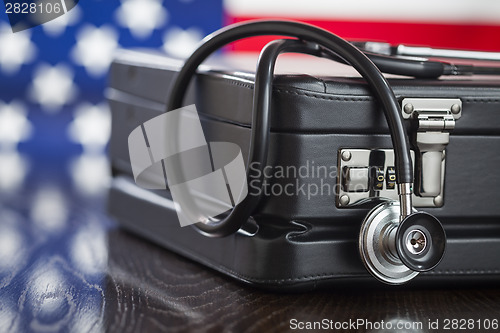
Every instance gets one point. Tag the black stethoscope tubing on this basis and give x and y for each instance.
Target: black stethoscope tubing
(263, 89)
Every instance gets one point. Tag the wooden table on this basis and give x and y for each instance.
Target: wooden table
(73, 269)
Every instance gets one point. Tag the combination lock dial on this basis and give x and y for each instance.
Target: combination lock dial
(371, 173)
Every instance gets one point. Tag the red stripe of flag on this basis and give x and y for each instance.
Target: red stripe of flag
(452, 36)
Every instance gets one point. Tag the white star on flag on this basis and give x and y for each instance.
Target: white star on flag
(53, 87)
(90, 173)
(141, 16)
(57, 26)
(13, 169)
(14, 124)
(49, 209)
(181, 43)
(95, 48)
(16, 49)
(91, 126)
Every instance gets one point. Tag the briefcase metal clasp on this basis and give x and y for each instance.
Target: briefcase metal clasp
(367, 174)
(433, 119)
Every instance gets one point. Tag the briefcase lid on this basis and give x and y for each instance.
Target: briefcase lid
(309, 95)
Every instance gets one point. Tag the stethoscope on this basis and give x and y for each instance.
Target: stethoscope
(396, 242)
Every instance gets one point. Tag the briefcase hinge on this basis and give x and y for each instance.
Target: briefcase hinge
(433, 114)
(433, 119)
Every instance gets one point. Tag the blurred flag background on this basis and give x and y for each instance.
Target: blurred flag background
(53, 115)
(54, 172)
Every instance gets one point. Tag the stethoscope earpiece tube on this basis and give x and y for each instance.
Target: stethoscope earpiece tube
(424, 69)
(327, 40)
(420, 68)
(344, 49)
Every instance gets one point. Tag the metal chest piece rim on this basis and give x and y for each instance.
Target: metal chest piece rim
(377, 245)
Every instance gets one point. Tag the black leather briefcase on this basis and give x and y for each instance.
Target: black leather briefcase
(330, 129)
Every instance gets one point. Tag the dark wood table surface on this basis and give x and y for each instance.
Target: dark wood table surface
(65, 266)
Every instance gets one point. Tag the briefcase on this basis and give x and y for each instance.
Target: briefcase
(330, 160)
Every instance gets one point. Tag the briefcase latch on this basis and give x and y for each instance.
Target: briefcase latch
(433, 120)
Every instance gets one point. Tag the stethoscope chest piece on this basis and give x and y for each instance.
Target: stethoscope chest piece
(420, 241)
(395, 252)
